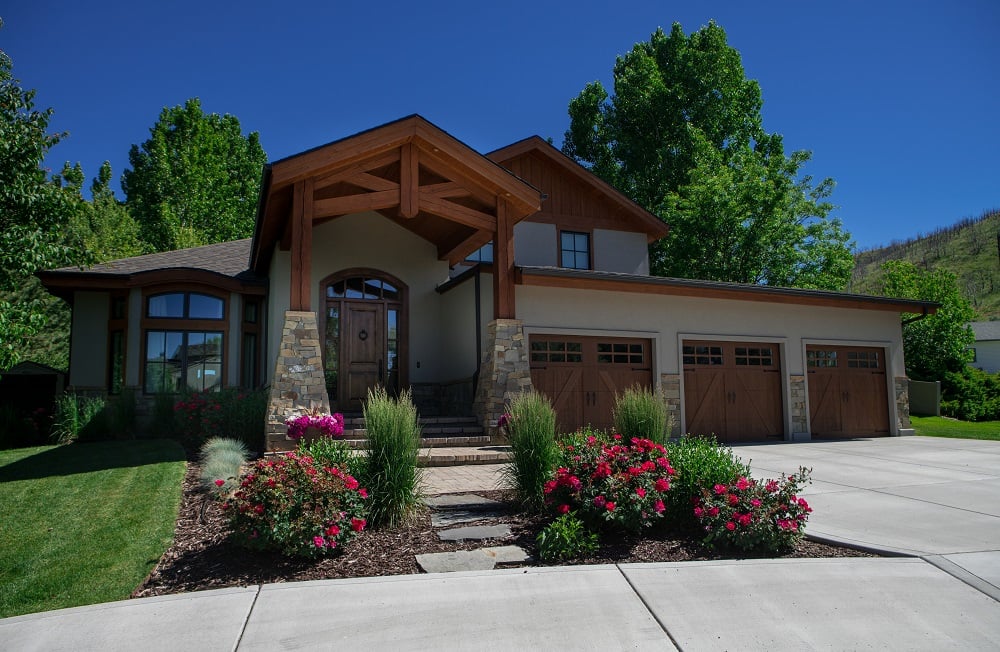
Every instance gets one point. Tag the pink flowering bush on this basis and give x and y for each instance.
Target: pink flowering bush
(326, 425)
(297, 506)
(611, 482)
(753, 515)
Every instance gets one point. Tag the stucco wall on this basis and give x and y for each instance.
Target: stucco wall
(621, 251)
(535, 244)
(389, 248)
(89, 347)
(987, 356)
(279, 299)
(458, 332)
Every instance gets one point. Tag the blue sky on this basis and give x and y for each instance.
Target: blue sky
(898, 100)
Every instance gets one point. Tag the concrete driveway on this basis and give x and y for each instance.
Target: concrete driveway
(931, 497)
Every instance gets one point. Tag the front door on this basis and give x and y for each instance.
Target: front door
(364, 328)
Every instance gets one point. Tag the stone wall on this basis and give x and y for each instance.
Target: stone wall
(297, 385)
(504, 372)
(902, 387)
(670, 385)
(799, 414)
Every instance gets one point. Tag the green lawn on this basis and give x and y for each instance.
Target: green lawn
(941, 427)
(84, 523)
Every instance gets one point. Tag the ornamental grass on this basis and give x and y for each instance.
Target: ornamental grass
(530, 423)
(641, 412)
(390, 467)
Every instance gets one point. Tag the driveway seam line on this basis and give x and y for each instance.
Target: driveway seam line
(962, 574)
(652, 613)
(246, 619)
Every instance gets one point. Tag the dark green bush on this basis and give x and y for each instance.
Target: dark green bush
(700, 462)
(565, 538)
(971, 395)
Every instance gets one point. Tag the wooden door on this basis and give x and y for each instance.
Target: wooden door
(847, 391)
(557, 371)
(619, 363)
(364, 351)
(733, 390)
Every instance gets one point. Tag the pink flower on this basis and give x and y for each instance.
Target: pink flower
(549, 486)
(358, 524)
(610, 506)
(720, 489)
(600, 501)
(258, 508)
(771, 486)
(332, 531)
(363, 492)
(220, 482)
(742, 484)
(563, 509)
(319, 542)
(698, 512)
(733, 499)
(658, 506)
(662, 485)
(350, 482)
(744, 519)
(713, 511)
(755, 502)
(640, 492)
(730, 526)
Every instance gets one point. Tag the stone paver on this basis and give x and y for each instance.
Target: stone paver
(456, 561)
(451, 479)
(467, 501)
(508, 554)
(450, 517)
(473, 532)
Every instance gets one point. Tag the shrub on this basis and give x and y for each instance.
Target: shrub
(755, 516)
(165, 423)
(221, 460)
(612, 483)
(565, 538)
(971, 395)
(333, 452)
(295, 506)
(530, 423)
(121, 414)
(390, 467)
(641, 412)
(18, 428)
(79, 417)
(700, 462)
(234, 413)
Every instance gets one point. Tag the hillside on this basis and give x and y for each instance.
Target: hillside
(970, 249)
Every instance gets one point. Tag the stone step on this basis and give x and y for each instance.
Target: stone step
(466, 560)
(475, 533)
(461, 455)
(360, 441)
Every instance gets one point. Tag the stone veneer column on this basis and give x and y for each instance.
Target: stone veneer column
(298, 385)
(670, 384)
(902, 387)
(504, 371)
(800, 421)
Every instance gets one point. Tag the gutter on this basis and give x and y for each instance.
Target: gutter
(911, 320)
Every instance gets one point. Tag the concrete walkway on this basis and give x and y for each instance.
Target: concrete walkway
(935, 498)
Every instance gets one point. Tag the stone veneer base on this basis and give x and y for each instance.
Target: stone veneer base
(504, 372)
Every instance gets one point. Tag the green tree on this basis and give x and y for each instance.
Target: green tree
(682, 136)
(103, 225)
(34, 212)
(941, 342)
(195, 180)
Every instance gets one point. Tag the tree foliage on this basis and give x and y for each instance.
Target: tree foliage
(103, 224)
(941, 342)
(682, 136)
(195, 180)
(34, 212)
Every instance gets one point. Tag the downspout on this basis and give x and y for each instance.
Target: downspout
(923, 315)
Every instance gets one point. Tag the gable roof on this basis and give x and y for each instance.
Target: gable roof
(624, 209)
(986, 331)
(223, 264)
(441, 188)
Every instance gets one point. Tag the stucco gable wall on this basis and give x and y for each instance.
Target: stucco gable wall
(987, 356)
(621, 251)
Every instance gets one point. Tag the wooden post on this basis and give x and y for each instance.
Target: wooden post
(409, 181)
(503, 264)
(302, 219)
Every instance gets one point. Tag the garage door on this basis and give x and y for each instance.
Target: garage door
(847, 391)
(733, 390)
(581, 375)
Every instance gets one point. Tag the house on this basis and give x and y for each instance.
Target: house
(400, 256)
(986, 352)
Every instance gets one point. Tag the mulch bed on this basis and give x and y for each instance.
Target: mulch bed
(203, 557)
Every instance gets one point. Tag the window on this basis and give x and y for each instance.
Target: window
(183, 336)
(821, 359)
(117, 324)
(176, 361)
(556, 351)
(702, 355)
(185, 305)
(250, 355)
(618, 353)
(753, 357)
(482, 255)
(574, 250)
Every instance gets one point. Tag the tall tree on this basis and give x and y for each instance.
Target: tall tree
(941, 342)
(682, 135)
(195, 180)
(33, 211)
(103, 225)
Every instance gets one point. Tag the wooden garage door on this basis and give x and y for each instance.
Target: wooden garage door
(847, 391)
(581, 375)
(733, 390)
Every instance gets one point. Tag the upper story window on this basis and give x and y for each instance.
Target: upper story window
(482, 255)
(574, 250)
(185, 305)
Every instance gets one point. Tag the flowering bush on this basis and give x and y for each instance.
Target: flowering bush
(327, 425)
(607, 481)
(197, 416)
(752, 515)
(295, 506)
